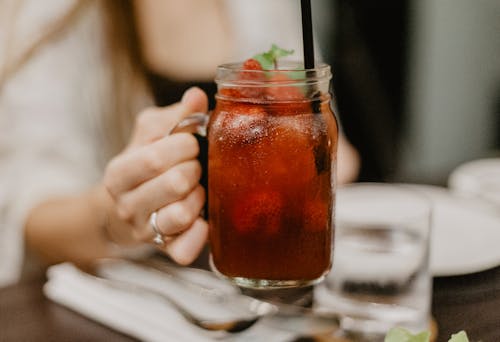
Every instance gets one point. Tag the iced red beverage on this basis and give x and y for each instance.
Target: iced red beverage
(272, 157)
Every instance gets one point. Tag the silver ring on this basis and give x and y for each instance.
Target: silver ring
(159, 238)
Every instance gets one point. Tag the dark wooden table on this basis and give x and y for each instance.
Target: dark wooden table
(470, 302)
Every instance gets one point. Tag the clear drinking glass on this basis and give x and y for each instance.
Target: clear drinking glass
(272, 150)
(380, 276)
(271, 176)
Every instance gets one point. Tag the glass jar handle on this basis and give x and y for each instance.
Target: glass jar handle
(194, 123)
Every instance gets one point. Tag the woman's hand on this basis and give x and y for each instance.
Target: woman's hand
(160, 173)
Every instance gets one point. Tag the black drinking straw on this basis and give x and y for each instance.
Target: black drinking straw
(307, 34)
(308, 49)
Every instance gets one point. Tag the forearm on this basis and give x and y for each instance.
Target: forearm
(208, 28)
(70, 228)
(349, 161)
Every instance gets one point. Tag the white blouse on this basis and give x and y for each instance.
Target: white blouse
(50, 133)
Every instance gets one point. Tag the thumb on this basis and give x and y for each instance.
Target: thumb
(195, 100)
(155, 123)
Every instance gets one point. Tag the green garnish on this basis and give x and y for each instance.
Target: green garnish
(269, 60)
(403, 335)
(459, 337)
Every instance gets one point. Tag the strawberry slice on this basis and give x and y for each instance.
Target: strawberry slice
(283, 92)
(250, 72)
(252, 64)
(292, 98)
(260, 211)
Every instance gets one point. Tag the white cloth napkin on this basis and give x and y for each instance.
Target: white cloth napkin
(145, 316)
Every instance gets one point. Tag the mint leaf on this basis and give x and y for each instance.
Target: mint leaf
(403, 335)
(459, 337)
(265, 61)
(269, 60)
(278, 52)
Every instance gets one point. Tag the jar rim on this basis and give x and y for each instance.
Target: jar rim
(228, 72)
(284, 66)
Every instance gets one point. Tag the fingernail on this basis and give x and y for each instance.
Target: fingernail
(185, 97)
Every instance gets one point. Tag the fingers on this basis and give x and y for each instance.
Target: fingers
(159, 172)
(173, 185)
(155, 123)
(132, 168)
(180, 215)
(173, 219)
(185, 247)
(195, 99)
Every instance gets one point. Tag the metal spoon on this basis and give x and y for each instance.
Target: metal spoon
(238, 324)
(290, 317)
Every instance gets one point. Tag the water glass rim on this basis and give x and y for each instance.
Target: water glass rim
(382, 203)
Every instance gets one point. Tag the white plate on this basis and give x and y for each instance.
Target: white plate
(465, 234)
(478, 179)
